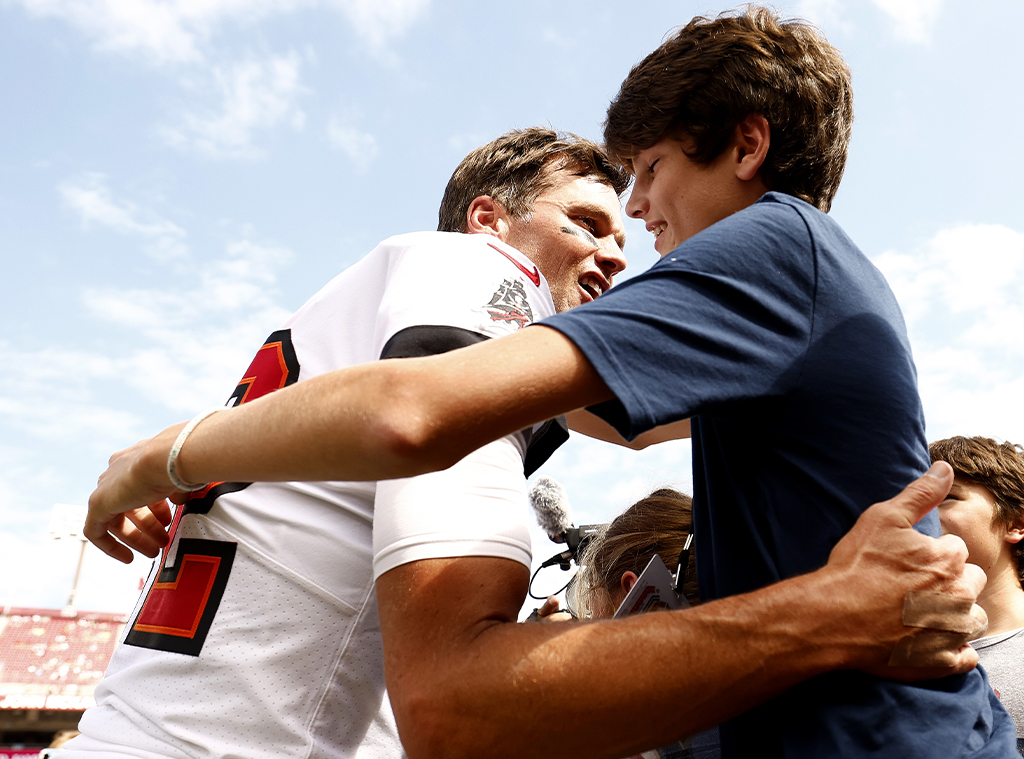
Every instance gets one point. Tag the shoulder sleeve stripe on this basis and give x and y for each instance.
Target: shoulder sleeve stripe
(544, 442)
(429, 340)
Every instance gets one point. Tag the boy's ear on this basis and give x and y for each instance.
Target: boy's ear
(1014, 534)
(751, 142)
(486, 216)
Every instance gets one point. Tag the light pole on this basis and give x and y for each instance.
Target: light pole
(67, 521)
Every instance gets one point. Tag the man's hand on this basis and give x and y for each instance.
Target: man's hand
(883, 556)
(128, 508)
(550, 611)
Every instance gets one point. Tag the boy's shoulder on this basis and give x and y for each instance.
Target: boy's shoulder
(776, 222)
(795, 221)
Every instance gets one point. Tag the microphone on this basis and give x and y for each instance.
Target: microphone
(551, 506)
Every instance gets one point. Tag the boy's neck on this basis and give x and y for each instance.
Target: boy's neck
(1003, 600)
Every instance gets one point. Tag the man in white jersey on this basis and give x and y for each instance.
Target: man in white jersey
(257, 634)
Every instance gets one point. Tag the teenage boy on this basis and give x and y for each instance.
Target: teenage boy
(766, 327)
(985, 507)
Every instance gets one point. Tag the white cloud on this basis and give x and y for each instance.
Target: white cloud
(360, 147)
(91, 199)
(61, 409)
(826, 14)
(377, 22)
(253, 95)
(52, 413)
(161, 30)
(961, 295)
(585, 467)
(191, 342)
(913, 19)
(197, 339)
(178, 31)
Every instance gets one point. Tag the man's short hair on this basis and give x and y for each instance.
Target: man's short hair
(517, 167)
(713, 73)
(996, 466)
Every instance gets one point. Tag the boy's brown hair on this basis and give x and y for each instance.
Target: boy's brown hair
(714, 72)
(993, 465)
(517, 167)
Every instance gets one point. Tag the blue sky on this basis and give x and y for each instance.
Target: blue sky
(178, 176)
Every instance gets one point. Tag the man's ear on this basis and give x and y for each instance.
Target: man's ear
(751, 142)
(486, 216)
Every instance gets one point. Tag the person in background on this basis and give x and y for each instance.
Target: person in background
(658, 524)
(613, 560)
(985, 507)
(56, 747)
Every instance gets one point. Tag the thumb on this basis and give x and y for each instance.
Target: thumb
(922, 495)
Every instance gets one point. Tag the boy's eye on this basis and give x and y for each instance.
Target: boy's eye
(650, 169)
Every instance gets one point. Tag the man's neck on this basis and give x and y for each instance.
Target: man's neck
(1003, 600)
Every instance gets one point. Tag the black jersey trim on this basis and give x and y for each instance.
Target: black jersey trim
(545, 441)
(429, 340)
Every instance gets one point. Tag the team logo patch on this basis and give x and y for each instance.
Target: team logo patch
(509, 304)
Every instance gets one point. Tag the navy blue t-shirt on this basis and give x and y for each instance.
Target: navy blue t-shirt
(785, 347)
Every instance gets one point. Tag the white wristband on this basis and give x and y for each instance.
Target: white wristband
(172, 457)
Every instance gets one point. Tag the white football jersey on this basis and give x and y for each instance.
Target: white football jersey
(257, 634)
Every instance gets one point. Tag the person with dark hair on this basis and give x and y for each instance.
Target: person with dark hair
(763, 325)
(711, 75)
(659, 524)
(985, 507)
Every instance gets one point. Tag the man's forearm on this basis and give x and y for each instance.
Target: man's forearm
(464, 680)
(617, 687)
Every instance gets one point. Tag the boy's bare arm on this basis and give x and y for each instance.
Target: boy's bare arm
(375, 421)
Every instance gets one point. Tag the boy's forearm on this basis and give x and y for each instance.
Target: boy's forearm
(394, 418)
(375, 421)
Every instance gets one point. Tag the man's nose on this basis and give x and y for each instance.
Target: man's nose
(611, 259)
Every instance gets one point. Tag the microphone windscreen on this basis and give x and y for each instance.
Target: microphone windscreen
(551, 505)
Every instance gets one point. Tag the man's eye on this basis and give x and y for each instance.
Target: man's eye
(589, 223)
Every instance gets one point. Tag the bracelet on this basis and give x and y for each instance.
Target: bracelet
(172, 457)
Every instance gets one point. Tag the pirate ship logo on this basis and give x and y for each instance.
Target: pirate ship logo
(509, 304)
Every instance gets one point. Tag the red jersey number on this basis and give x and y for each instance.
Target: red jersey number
(180, 606)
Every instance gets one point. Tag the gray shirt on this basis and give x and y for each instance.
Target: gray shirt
(1002, 656)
